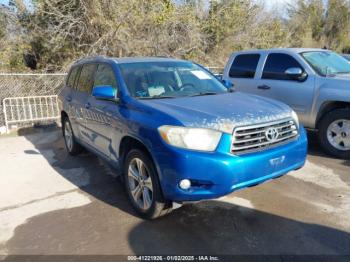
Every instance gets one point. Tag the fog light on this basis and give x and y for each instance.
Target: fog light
(185, 184)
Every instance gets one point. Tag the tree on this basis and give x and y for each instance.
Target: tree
(53, 33)
(336, 26)
(313, 24)
(62, 30)
(306, 20)
(234, 25)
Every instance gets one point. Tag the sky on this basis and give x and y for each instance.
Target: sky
(5, 2)
(270, 4)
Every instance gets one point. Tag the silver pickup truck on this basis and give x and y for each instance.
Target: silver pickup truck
(314, 82)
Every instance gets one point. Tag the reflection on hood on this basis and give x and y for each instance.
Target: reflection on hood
(222, 112)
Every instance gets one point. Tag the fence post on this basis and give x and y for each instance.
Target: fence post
(5, 115)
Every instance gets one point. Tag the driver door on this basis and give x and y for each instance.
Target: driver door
(102, 114)
(276, 84)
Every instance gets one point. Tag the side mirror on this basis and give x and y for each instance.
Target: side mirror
(104, 92)
(296, 73)
(228, 84)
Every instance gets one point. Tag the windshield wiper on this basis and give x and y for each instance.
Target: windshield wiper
(343, 73)
(156, 97)
(205, 94)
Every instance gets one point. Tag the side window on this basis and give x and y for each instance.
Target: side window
(86, 78)
(277, 64)
(244, 66)
(72, 76)
(105, 76)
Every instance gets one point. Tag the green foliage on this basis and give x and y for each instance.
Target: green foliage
(56, 32)
(312, 23)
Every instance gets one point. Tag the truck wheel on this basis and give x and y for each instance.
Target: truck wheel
(72, 146)
(334, 133)
(142, 186)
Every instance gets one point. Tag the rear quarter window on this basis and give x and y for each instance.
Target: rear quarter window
(72, 76)
(244, 66)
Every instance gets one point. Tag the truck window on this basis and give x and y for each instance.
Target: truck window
(244, 66)
(86, 78)
(277, 64)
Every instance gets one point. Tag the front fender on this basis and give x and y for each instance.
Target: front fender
(328, 96)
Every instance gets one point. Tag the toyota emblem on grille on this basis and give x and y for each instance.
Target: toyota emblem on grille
(271, 134)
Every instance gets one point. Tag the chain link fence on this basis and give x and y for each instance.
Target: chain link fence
(24, 85)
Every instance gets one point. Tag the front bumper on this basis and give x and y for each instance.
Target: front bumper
(219, 173)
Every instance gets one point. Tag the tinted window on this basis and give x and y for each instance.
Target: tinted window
(72, 76)
(105, 76)
(277, 64)
(244, 66)
(86, 78)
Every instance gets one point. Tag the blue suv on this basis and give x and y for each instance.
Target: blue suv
(175, 132)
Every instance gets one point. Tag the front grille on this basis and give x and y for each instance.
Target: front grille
(258, 137)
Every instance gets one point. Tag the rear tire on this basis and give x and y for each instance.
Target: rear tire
(334, 133)
(72, 146)
(142, 186)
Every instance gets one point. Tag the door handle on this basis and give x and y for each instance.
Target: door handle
(87, 105)
(264, 87)
(68, 98)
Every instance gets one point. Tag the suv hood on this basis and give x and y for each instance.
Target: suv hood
(344, 77)
(221, 112)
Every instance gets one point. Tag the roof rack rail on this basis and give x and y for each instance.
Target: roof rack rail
(91, 57)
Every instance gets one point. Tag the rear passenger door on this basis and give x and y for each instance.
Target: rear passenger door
(276, 84)
(68, 93)
(242, 72)
(80, 100)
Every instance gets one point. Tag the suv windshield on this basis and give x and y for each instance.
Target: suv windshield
(327, 63)
(169, 79)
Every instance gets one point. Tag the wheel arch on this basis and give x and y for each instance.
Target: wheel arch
(329, 106)
(63, 115)
(128, 143)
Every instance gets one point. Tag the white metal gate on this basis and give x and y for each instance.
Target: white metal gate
(28, 84)
(30, 109)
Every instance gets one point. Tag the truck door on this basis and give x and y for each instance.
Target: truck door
(242, 72)
(277, 84)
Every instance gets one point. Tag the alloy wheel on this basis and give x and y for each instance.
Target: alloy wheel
(140, 184)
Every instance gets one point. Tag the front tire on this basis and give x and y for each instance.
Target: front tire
(334, 133)
(142, 186)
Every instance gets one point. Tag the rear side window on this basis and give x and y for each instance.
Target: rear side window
(86, 78)
(277, 64)
(71, 78)
(105, 76)
(244, 66)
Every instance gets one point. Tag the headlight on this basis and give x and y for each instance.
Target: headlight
(190, 138)
(295, 118)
